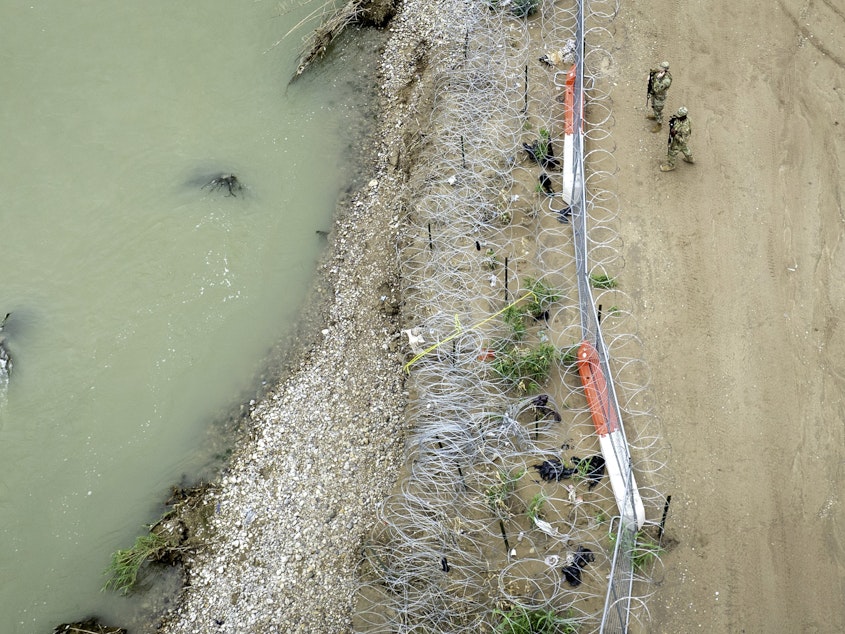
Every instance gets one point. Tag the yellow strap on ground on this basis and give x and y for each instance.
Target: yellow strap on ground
(458, 330)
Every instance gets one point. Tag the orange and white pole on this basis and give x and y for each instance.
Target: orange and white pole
(614, 447)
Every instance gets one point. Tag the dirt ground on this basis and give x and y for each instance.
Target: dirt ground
(735, 265)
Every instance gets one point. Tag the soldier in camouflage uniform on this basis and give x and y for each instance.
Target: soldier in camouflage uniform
(659, 80)
(680, 131)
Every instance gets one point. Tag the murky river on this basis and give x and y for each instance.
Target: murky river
(143, 305)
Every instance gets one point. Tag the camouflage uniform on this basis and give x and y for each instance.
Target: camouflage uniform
(680, 131)
(659, 81)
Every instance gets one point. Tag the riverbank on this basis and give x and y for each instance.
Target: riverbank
(324, 448)
(731, 267)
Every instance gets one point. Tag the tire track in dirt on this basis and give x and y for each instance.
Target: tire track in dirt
(824, 18)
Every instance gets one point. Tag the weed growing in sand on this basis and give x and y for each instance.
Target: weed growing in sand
(646, 549)
(519, 8)
(520, 620)
(535, 507)
(542, 298)
(491, 259)
(524, 8)
(542, 151)
(569, 357)
(499, 493)
(514, 317)
(526, 368)
(602, 280)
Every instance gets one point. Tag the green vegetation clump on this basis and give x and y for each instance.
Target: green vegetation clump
(515, 318)
(542, 151)
(542, 298)
(126, 563)
(524, 367)
(524, 8)
(569, 357)
(520, 620)
(491, 259)
(165, 542)
(602, 280)
(646, 549)
(498, 494)
(535, 507)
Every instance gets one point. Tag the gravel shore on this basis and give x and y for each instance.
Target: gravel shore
(324, 448)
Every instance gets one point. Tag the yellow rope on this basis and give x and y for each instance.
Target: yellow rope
(458, 330)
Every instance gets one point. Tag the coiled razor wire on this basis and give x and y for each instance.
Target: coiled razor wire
(474, 538)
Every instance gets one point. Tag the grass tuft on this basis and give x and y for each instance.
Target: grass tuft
(602, 280)
(126, 563)
(520, 620)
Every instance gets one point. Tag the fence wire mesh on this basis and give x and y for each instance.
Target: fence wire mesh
(502, 516)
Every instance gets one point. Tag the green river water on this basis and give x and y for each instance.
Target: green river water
(143, 306)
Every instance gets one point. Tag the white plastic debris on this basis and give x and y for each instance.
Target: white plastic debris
(545, 527)
(415, 339)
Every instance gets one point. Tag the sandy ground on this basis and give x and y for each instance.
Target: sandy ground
(736, 268)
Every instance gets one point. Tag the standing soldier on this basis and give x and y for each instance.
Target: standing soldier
(659, 80)
(680, 132)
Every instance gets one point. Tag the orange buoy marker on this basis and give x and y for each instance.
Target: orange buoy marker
(614, 447)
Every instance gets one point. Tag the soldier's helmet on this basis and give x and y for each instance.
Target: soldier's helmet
(682, 111)
(664, 65)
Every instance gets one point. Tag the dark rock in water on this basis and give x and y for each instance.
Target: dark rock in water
(553, 470)
(88, 626)
(5, 359)
(227, 182)
(593, 472)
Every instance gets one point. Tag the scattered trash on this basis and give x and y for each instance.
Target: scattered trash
(575, 562)
(546, 528)
(563, 56)
(593, 472)
(415, 339)
(540, 403)
(553, 469)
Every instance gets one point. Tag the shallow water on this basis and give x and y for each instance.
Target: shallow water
(143, 305)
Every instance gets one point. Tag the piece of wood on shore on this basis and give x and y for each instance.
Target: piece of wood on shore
(325, 34)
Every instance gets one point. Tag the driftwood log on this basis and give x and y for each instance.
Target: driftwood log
(375, 13)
